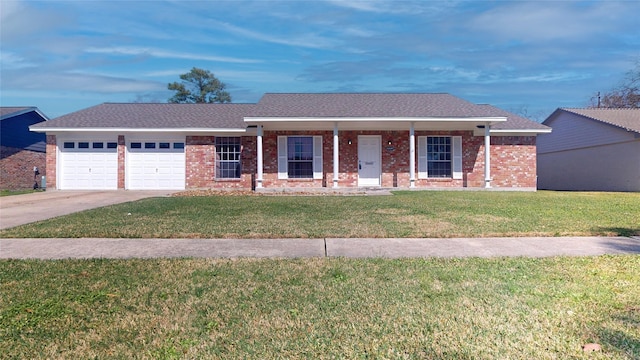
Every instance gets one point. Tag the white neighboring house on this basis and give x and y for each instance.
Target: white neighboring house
(590, 149)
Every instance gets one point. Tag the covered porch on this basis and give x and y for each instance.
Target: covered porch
(373, 152)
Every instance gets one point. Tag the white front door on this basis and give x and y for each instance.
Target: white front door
(156, 165)
(369, 160)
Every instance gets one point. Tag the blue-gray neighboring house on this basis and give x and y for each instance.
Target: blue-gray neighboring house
(590, 150)
(21, 150)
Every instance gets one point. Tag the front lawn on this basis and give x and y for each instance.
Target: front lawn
(15, 192)
(405, 214)
(320, 308)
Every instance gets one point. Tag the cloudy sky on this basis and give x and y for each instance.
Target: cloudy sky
(528, 57)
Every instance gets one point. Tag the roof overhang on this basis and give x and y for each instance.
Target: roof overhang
(372, 123)
(141, 130)
(25, 111)
(513, 132)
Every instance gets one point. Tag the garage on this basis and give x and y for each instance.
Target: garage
(88, 165)
(155, 164)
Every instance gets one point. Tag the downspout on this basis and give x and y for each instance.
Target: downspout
(412, 156)
(336, 155)
(487, 156)
(259, 157)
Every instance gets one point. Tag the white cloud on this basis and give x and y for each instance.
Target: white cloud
(145, 51)
(305, 40)
(19, 20)
(549, 77)
(391, 6)
(548, 21)
(10, 60)
(368, 6)
(77, 82)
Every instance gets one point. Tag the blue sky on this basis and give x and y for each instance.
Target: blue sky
(528, 57)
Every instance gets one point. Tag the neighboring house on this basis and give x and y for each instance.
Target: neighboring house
(20, 149)
(591, 149)
(294, 141)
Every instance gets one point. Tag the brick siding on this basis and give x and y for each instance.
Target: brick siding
(513, 161)
(200, 156)
(122, 149)
(16, 168)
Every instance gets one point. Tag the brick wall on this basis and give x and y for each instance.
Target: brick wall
(513, 160)
(200, 154)
(16, 168)
(52, 150)
(270, 161)
(122, 149)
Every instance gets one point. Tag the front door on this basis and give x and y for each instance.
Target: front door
(369, 159)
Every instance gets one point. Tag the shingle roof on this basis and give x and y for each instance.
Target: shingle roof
(6, 111)
(628, 119)
(285, 105)
(154, 116)
(366, 105)
(384, 105)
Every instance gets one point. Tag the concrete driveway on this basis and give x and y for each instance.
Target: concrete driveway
(22, 209)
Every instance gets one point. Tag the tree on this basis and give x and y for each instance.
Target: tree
(199, 86)
(625, 95)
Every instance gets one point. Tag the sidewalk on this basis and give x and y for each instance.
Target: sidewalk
(329, 247)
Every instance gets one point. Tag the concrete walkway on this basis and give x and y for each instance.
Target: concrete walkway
(330, 247)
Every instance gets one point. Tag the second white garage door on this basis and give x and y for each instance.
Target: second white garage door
(155, 165)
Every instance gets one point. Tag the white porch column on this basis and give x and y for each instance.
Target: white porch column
(336, 156)
(412, 156)
(259, 157)
(487, 156)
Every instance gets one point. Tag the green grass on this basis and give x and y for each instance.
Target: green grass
(321, 308)
(405, 214)
(15, 192)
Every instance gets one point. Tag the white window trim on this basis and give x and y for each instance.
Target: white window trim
(283, 165)
(456, 157)
(218, 161)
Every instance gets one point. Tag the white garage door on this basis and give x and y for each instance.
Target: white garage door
(88, 165)
(156, 165)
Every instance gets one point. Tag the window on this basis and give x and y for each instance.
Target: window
(98, 145)
(440, 157)
(69, 145)
(164, 145)
(149, 145)
(83, 145)
(136, 145)
(300, 157)
(112, 145)
(178, 145)
(228, 155)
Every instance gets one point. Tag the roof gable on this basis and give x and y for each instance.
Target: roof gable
(14, 128)
(625, 118)
(7, 112)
